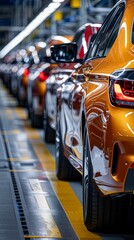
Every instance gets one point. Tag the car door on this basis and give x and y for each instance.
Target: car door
(86, 81)
(67, 89)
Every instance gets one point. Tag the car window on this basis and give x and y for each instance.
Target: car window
(79, 41)
(78, 37)
(107, 33)
(110, 36)
(133, 33)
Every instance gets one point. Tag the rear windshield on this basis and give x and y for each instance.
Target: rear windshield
(133, 33)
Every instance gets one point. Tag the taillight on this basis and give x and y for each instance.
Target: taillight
(43, 76)
(132, 165)
(26, 72)
(122, 92)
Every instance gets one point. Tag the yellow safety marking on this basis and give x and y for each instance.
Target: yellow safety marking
(10, 132)
(66, 195)
(73, 209)
(63, 190)
(20, 159)
(21, 113)
(32, 133)
(16, 159)
(50, 227)
(41, 151)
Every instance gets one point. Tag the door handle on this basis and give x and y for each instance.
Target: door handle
(86, 71)
(81, 77)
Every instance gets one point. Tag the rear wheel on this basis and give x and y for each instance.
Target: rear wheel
(28, 112)
(64, 170)
(49, 132)
(101, 213)
(21, 98)
(36, 120)
(36, 114)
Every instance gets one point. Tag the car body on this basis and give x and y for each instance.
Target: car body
(58, 75)
(37, 82)
(21, 61)
(95, 124)
(7, 65)
(31, 61)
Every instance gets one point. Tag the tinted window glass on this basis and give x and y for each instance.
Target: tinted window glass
(101, 37)
(107, 33)
(79, 41)
(111, 35)
(78, 38)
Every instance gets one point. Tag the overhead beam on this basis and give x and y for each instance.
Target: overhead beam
(43, 15)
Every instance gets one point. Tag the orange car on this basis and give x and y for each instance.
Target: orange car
(95, 122)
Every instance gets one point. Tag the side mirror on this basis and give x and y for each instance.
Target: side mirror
(45, 59)
(64, 53)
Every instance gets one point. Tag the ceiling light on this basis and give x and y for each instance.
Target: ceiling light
(52, 7)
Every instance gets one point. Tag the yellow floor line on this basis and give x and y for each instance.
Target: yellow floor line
(21, 159)
(11, 132)
(63, 190)
(68, 199)
(21, 113)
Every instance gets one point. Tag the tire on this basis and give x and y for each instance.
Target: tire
(90, 194)
(49, 132)
(30, 97)
(29, 110)
(21, 101)
(36, 120)
(28, 113)
(64, 170)
(101, 213)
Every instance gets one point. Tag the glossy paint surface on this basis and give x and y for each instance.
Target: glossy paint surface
(36, 87)
(84, 99)
(62, 72)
